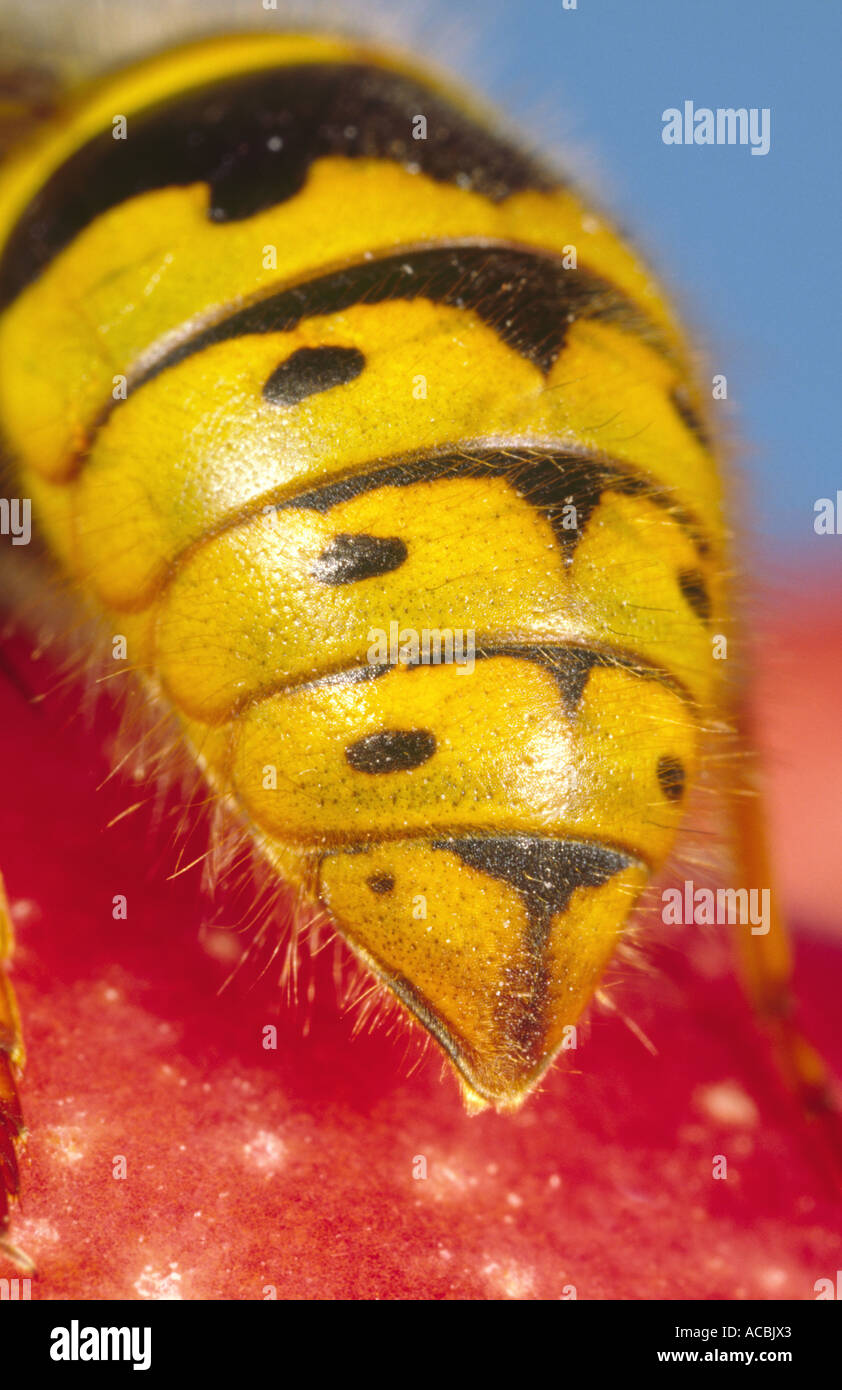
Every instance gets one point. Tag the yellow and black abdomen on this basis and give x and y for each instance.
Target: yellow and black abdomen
(297, 355)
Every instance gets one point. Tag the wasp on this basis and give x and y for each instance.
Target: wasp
(314, 381)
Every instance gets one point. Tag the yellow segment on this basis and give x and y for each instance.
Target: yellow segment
(122, 292)
(487, 547)
(205, 424)
(455, 945)
(162, 77)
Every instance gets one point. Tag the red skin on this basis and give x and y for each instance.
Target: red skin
(293, 1168)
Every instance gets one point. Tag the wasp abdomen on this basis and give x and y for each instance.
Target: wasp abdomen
(320, 357)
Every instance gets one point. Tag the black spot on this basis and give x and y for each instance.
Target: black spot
(253, 138)
(380, 883)
(311, 370)
(695, 590)
(671, 777)
(349, 558)
(391, 750)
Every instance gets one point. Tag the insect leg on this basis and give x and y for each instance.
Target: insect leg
(12, 1059)
(766, 963)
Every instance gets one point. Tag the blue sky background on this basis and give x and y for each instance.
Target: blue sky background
(750, 244)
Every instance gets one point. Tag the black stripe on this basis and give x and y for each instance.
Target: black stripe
(570, 667)
(310, 371)
(689, 415)
(549, 481)
(526, 297)
(545, 873)
(252, 138)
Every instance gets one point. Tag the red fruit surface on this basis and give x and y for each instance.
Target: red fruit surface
(295, 1169)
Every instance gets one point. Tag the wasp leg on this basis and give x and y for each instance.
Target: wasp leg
(765, 956)
(12, 1059)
